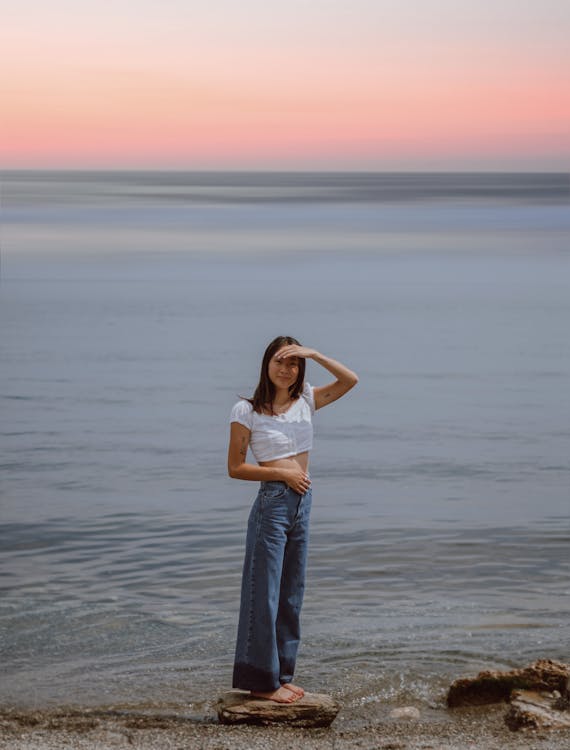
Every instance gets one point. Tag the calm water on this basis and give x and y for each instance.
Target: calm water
(135, 308)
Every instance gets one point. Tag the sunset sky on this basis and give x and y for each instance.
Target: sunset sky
(286, 84)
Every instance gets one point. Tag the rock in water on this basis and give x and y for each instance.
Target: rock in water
(312, 710)
(532, 710)
(496, 687)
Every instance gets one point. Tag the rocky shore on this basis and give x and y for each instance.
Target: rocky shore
(473, 728)
(479, 715)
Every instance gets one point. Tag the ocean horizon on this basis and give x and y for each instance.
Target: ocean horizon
(135, 307)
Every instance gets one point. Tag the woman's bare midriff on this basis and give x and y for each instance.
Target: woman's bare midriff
(301, 459)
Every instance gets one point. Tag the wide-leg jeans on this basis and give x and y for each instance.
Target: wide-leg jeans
(272, 590)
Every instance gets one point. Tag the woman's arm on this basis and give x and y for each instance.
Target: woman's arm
(325, 394)
(294, 476)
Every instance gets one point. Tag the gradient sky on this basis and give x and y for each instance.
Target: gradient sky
(285, 84)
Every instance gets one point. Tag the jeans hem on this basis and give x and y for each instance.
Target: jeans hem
(247, 677)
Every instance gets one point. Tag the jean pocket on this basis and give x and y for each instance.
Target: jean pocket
(274, 490)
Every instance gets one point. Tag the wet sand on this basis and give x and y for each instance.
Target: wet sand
(368, 727)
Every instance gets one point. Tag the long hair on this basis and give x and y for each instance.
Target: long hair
(264, 394)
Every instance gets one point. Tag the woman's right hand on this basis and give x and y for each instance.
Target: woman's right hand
(297, 479)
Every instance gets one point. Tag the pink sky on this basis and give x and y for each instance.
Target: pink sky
(315, 84)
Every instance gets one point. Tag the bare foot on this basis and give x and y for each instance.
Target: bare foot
(281, 695)
(294, 689)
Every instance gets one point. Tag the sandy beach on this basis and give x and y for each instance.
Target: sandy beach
(177, 728)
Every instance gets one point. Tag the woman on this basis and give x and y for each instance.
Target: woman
(276, 425)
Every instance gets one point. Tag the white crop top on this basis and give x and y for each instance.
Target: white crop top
(280, 436)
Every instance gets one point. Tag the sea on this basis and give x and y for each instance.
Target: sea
(134, 311)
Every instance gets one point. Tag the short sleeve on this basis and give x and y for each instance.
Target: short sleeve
(309, 396)
(242, 412)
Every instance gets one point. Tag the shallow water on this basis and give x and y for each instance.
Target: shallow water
(135, 310)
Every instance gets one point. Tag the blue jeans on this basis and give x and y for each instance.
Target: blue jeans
(272, 589)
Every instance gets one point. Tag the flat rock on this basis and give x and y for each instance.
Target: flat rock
(312, 710)
(496, 687)
(532, 710)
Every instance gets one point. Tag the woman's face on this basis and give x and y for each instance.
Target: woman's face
(283, 372)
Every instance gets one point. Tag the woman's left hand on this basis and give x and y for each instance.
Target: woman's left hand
(294, 350)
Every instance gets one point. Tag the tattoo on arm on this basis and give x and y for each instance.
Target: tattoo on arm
(243, 449)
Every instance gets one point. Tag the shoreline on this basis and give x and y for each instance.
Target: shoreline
(368, 727)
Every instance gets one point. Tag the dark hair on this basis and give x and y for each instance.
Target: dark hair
(265, 392)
